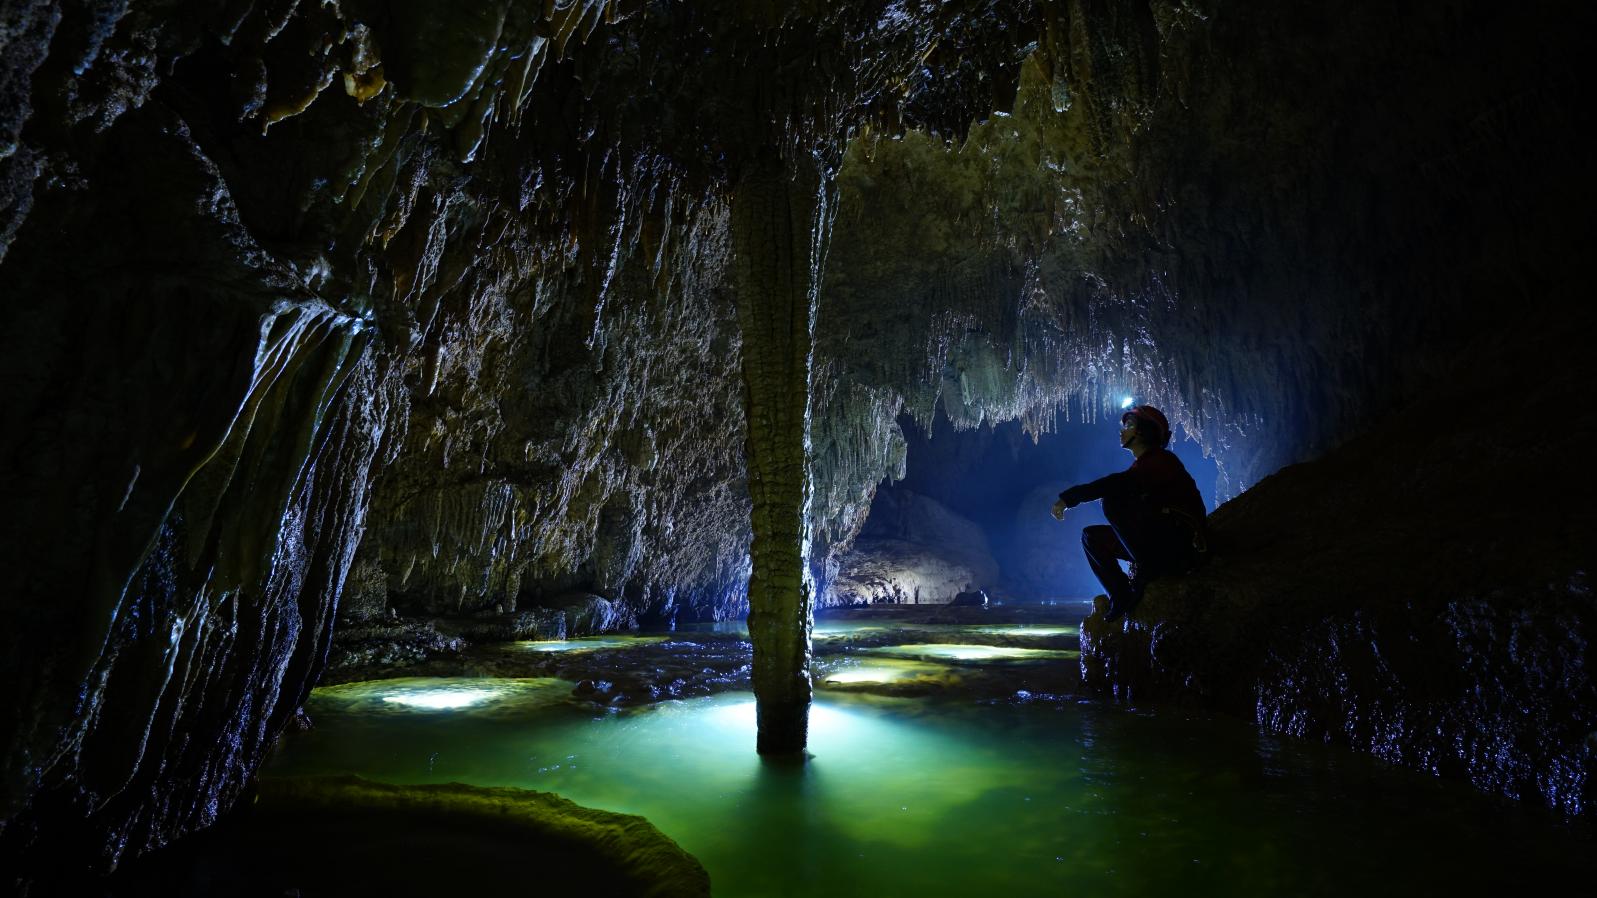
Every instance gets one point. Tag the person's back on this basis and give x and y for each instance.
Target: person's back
(1155, 513)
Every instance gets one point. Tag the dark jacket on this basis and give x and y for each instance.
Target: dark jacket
(1156, 481)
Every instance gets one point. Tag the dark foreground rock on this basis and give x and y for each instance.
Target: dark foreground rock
(349, 836)
(1422, 594)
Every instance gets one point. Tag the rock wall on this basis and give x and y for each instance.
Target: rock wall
(912, 550)
(426, 304)
(1422, 594)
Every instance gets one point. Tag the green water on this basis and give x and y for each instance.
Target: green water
(950, 796)
(586, 643)
(968, 652)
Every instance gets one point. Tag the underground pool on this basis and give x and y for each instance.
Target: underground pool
(948, 760)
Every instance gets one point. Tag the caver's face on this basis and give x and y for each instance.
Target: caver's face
(1128, 431)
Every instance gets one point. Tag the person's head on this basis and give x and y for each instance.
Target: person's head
(1146, 425)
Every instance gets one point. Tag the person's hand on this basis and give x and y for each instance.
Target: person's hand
(1058, 510)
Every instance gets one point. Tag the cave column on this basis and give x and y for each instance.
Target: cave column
(781, 223)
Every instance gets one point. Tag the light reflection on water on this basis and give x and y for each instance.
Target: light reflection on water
(823, 629)
(886, 671)
(937, 798)
(441, 695)
(587, 643)
(967, 652)
(1027, 630)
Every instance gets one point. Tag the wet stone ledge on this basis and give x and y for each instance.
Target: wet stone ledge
(350, 836)
(1382, 598)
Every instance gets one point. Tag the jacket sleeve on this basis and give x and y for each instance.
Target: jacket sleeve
(1111, 485)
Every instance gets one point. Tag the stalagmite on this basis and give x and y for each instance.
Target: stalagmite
(780, 226)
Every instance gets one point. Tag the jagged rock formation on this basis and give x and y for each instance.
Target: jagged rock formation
(304, 243)
(452, 308)
(1422, 593)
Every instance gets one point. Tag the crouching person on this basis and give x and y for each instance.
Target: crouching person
(1156, 516)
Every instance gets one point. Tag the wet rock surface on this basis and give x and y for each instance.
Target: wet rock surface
(625, 670)
(421, 309)
(912, 550)
(1387, 597)
(349, 836)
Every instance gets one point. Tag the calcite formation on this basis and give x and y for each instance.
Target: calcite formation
(339, 835)
(367, 307)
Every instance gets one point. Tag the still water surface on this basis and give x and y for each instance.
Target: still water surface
(949, 794)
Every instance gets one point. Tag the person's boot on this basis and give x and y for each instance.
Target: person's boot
(1120, 605)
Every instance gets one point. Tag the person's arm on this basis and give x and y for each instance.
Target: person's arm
(1097, 489)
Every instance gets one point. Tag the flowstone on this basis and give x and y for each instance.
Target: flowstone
(349, 836)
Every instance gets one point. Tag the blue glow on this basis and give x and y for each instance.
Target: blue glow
(1126, 402)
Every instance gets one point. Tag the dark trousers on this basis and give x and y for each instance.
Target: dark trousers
(1156, 543)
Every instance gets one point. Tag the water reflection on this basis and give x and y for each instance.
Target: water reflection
(970, 652)
(419, 695)
(1028, 630)
(587, 643)
(961, 791)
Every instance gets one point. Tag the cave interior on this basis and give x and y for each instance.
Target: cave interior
(346, 339)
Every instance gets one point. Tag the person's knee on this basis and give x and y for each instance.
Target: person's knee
(1096, 540)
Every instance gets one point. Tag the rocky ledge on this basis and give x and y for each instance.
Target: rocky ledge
(349, 836)
(1384, 596)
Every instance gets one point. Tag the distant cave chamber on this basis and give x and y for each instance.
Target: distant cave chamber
(971, 515)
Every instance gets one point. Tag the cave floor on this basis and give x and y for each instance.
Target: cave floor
(950, 754)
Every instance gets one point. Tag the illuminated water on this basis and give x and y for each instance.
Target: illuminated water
(965, 652)
(946, 794)
(587, 643)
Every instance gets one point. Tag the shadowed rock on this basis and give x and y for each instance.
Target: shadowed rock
(349, 836)
(1422, 594)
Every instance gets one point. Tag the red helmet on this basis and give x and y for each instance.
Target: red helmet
(1153, 416)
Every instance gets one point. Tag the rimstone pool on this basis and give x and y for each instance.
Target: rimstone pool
(946, 760)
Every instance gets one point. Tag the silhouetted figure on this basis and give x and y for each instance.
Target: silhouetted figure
(1156, 517)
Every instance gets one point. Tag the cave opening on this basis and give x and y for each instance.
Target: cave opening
(971, 513)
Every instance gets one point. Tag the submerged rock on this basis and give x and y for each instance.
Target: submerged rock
(371, 649)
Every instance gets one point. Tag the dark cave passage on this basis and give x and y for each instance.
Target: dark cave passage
(974, 505)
